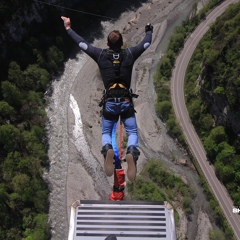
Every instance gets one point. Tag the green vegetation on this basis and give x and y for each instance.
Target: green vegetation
(24, 194)
(23, 153)
(26, 73)
(156, 183)
(215, 60)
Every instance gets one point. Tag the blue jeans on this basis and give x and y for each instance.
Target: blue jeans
(130, 123)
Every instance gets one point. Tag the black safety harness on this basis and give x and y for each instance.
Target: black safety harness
(116, 90)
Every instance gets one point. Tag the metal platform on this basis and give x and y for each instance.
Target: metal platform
(128, 220)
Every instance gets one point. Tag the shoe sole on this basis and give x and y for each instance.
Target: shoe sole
(132, 170)
(108, 164)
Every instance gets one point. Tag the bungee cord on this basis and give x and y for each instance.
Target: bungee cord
(71, 9)
(75, 10)
(120, 140)
(115, 146)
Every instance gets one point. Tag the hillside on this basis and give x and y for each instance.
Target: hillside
(214, 103)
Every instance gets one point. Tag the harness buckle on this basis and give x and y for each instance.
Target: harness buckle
(116, 56)
(132, 94)
(117, 85)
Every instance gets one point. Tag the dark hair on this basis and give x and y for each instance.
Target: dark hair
(115, 40)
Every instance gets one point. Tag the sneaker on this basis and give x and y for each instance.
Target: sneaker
(132, 170)
(131, 158)
(108, 154)
(109, 163)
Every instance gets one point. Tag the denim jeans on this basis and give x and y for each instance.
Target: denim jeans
(130, 123)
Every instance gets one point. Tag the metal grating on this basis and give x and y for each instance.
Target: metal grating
(127, 220)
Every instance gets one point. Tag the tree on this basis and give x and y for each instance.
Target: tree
(206, 122)
(176, 41)
(34, 146)
(40, 196)
(171, 124)
(218, 134)
(228, 174)
(163, 109)
(236, 197)
(210, 56)
(211, 148)
(40, 58)
(12, 94)
(165, 67)
(10, 165)
(176, 130)
(15, 74)
(225, 152)
(40, 230)
(55, 58)
(3, 204)
(10, 137)
(31, 105)
(20, 183)
(36, 78)
(7, 111)
(195, 109)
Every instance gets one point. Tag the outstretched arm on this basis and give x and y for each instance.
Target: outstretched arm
(78, 39)
(92, 51)
(144, 44)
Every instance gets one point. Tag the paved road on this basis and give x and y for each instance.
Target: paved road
(177, 92)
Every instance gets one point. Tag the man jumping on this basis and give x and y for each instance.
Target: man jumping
(116, 65)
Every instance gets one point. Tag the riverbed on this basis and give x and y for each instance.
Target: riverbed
(76, 165)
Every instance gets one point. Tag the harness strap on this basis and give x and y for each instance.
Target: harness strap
(117, 93)
(116, 59)
(115, 85)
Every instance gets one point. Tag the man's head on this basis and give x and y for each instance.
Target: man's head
(115, 40)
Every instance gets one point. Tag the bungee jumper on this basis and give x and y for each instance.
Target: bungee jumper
(116, 65)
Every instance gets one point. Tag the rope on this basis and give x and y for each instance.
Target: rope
(117, 151)
(71, 9)
(120, 141)
(115, 147)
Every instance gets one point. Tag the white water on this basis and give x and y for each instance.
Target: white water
(59, 138)
(58, 143)
(79, 139)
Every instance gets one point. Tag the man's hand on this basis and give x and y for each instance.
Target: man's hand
(66, 22)
(148, 27)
